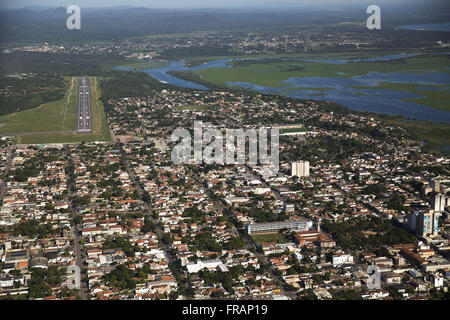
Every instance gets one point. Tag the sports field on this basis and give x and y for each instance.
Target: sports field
(270, 237)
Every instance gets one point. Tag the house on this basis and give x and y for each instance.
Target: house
(342, 259)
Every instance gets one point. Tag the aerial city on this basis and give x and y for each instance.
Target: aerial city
(238, 151)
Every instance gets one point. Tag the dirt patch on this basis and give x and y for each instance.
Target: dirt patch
(2, 125)
(370, 233)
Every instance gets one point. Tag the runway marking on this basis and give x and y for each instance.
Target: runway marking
(84, 106)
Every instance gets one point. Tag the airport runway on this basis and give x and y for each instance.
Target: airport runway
(84, 106)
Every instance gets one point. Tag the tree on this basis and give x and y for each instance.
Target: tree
(78, 219)
(167, 238)
(149, 226)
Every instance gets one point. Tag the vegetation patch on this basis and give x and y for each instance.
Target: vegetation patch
(436, 97)
(142, 65)
(269, 238)
(435, 135)
(56, 122)
(352, 234)
(49, 117)
(272, 74)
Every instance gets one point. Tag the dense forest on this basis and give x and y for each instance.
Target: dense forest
(351, 234)
(18, 94)
(210, 51)
(120, 84)
(62, 64)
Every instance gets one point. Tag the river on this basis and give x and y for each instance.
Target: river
(338, 89)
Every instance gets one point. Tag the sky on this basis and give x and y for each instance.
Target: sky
(193, 4)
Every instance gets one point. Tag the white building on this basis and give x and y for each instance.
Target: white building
(272, 227)
(231, 199)
(211, 265)
(436, 280)
(300, 169)
(439, 202)
(8, 282)
(261, 190)
(342, 259)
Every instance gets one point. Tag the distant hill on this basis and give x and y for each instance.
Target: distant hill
(40, 23)
(39, 8)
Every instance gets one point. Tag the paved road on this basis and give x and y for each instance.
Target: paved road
(250, 244)
(220, 207)
(148, 212)
(84, 106)
(79, 261)
(5, 175)
(249, 171)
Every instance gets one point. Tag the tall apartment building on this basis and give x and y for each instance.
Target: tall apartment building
(435, 184)
(424, 222)
(300, 169)
(439, 202)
